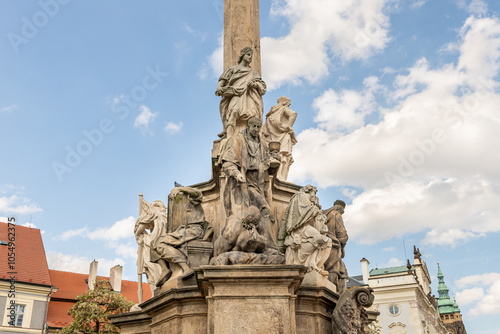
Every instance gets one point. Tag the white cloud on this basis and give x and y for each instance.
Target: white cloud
(201, 35)
(428, 165)
(348, 30)
(477, 7)
(66, 235)
(484, 302)
(18, 204)
(418, 3)
(9, 108)
(389, 249)
(468, 296)
(80, 264)
(31, 225)
(172, 128)
(394, 262)
(120, 230)
(145, 118)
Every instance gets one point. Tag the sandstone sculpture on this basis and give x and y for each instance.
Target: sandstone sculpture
(169, 250)
(152, 217)
(278, 128)
(337, 232)
(246, 163)
(349, 315)
(242, 243)
(303, 232)
(241, 89)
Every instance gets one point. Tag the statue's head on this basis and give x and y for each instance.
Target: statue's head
(160, 206)
(246, 51)
(339, 205)
(284, 100)
(254, 125)
(252, 216)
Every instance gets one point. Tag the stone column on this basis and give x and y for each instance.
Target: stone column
(247, 299)
(241, 29)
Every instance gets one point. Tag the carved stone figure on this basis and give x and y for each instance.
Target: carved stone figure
(337, 232)
(152, 217)
(278, 128)
(242, 243)
(349, 315)
(303, 232)
(170, 249)
(241, 89)
(246, 162)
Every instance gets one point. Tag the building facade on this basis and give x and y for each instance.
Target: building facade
(403, 298)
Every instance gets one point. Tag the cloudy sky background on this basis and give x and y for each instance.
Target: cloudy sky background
(398, 114)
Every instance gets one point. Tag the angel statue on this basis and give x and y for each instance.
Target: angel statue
(302, 232)
(152, 217)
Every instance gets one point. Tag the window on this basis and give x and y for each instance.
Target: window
(18, 321)
(394, 310)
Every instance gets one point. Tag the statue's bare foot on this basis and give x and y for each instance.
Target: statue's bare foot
(164, 277)
(188, 274)
(324, 273)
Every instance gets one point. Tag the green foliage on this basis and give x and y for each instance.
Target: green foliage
(374, 328)
(90, 312)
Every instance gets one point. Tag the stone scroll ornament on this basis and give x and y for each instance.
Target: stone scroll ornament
(241, 90)
(350, 316)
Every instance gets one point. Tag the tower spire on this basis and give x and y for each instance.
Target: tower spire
(445, 304)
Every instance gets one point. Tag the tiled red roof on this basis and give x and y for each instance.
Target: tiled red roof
(30, 260)
(71, 285)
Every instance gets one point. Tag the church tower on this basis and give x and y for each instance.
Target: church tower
(448, 309)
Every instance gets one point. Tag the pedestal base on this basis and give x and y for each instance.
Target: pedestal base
(251, 299)
(268, 299)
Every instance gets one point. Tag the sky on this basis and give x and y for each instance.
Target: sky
(398, 106)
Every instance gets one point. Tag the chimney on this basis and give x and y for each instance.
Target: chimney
(115, 278)
(92, 274)
(365, 269)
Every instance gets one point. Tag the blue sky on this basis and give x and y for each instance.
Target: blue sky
(398, 114)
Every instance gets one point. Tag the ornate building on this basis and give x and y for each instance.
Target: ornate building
(448, 309)
(403, 298)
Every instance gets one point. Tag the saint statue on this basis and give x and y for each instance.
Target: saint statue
(338, 234)
(278, 128)
(302, 233)
(241, 89)
(169, 250)
(246, 163)
(152, 217)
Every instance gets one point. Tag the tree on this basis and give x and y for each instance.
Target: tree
(90, 312)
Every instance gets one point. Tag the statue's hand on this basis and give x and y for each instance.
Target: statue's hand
(239, 177)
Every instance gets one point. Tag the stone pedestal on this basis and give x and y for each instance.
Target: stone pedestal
(268, 299)
(251, 299)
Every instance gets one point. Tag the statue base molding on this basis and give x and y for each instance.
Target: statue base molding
(237, 299)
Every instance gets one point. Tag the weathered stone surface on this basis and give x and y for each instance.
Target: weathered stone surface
(235, 257)
(278, 129)
(303, 232)
(241, 28)
(350, 315)
(132, 322)
(251, 299)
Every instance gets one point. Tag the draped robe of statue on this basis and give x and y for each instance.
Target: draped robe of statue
(251, 159)
(302, 232)
(152, 218)
(338, 233)
(278, 128)
(239, 100)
